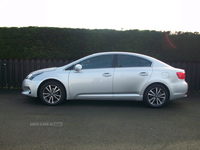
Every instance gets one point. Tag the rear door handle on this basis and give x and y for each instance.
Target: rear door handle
(143, 74)
(106, 74)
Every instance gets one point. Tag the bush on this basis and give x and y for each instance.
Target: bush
(71, 44)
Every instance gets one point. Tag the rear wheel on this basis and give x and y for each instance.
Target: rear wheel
(52, 93)
(156, 95)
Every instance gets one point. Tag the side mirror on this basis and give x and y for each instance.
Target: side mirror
(78, 67)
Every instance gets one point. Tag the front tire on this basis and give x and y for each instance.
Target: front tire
(52, 93)
(156, 95)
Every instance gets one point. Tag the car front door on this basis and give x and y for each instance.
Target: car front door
(130, 75)
(94, 80)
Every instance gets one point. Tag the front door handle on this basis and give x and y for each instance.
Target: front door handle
(143, 74)
(106, 74)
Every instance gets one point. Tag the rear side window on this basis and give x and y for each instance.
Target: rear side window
(132, 61)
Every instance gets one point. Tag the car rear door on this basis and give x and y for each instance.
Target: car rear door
(130, 74)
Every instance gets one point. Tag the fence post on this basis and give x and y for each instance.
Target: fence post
(1, 73)
(5, 73)
(11, 81)
(43, 64)
(16, 72)
(38, 64)
(27, 69)
(32, 65)
(198, 78)
(22, 72)
(49, 63)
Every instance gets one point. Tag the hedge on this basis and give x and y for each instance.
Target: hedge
(71, 44)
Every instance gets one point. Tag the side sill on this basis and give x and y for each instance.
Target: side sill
(133, 97)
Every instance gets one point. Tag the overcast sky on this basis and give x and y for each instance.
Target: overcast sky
(160, 15)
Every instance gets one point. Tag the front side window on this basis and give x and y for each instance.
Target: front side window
(132, 61)
(104, 61)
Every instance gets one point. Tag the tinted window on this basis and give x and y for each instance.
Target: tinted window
(104, 61)
(132, 61)
(144, 63)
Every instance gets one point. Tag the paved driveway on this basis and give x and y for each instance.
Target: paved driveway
(25, 123)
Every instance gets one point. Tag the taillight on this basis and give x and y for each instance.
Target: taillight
(181, 75)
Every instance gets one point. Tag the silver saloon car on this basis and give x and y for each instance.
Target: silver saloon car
(108, 76)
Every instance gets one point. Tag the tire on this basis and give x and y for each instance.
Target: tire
(156, 95)
(52, 93)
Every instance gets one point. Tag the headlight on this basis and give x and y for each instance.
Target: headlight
(31, 76)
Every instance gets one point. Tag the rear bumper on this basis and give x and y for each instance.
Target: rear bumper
(179, 90)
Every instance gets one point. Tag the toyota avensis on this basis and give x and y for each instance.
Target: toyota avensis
(108, 76)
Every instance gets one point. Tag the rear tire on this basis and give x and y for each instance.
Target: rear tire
(156, 95)
(52, 93)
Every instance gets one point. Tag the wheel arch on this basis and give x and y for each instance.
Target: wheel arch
(47, 80)
(157, 84)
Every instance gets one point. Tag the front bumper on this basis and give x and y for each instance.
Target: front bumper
(30, 87)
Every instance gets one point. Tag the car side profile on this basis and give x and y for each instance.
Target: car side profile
(108, 76)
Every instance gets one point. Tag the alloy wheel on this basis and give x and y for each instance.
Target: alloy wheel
(156, 96)
(52, 94)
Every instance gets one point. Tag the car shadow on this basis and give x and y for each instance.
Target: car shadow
(102, 103)
(95, 103)
(32, 101)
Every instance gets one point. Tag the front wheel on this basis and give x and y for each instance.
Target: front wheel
(156, 95)
(52, 93)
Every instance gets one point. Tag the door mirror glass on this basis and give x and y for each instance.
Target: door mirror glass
(78, 67)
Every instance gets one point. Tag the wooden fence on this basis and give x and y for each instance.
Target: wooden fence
(13, 72)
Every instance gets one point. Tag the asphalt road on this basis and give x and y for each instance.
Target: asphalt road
(25, 123)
